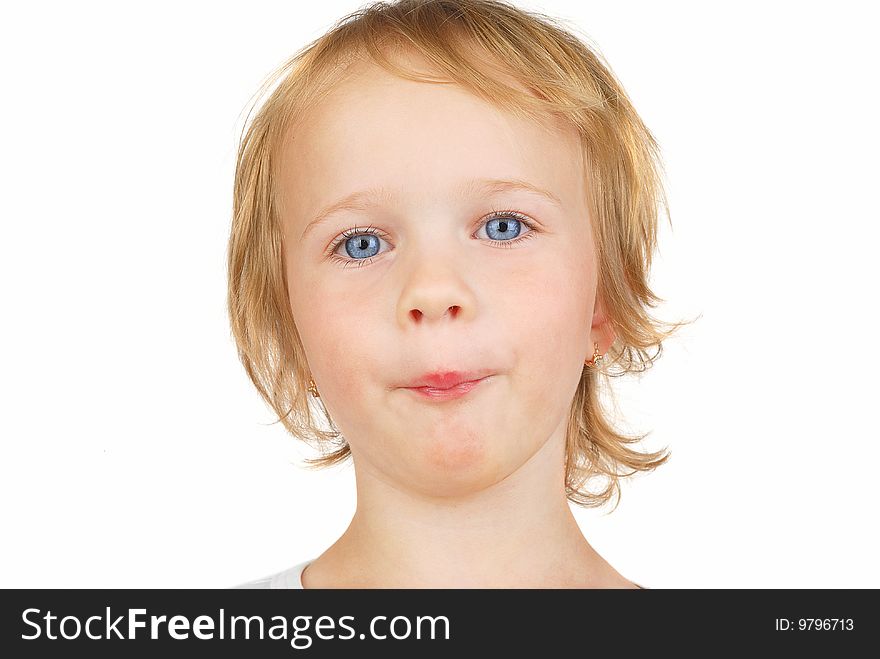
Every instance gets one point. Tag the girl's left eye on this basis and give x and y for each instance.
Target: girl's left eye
(357, 241)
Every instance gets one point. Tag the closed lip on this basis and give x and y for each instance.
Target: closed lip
(448, 379)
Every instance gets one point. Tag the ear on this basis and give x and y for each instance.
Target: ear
(602, 331)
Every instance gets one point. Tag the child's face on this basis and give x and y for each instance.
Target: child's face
(432, 292)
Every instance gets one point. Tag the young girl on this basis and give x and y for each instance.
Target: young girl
(444, 219)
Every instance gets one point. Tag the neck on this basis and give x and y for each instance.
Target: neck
(517, 533)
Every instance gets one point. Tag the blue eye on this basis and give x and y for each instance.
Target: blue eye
(362, 245)
(365, 241)
(504, 225)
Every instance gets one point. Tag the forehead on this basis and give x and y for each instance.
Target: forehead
(377, 129)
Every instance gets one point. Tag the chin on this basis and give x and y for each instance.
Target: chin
(455, 470)
(456, 452)
(441, 486)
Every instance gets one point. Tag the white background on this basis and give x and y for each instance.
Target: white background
(135, 452)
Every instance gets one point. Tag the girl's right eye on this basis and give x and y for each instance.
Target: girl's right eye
(360, 240)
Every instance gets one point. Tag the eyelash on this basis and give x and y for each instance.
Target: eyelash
(355, 231)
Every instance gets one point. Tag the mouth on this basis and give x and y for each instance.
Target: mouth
(448, 393)
(447, 379)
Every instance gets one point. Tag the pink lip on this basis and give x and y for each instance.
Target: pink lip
(447, 379)
(449, 393)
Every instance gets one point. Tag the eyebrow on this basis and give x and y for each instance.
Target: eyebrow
(372, 197)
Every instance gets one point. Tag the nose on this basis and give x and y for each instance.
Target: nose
(436, 291)
(418, 314)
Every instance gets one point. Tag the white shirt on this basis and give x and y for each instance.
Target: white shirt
(289, 578)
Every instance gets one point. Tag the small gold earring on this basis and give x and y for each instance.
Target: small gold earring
(313, 389)
(596, 360)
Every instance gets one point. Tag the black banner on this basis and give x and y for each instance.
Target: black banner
(170, 623)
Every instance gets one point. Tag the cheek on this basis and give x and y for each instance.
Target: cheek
(339, 356)
(550, 315)
(331, 335)
(550, 336)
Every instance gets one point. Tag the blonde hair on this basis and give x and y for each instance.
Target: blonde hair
(566, 79)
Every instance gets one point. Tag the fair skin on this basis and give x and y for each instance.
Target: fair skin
(466, 493)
